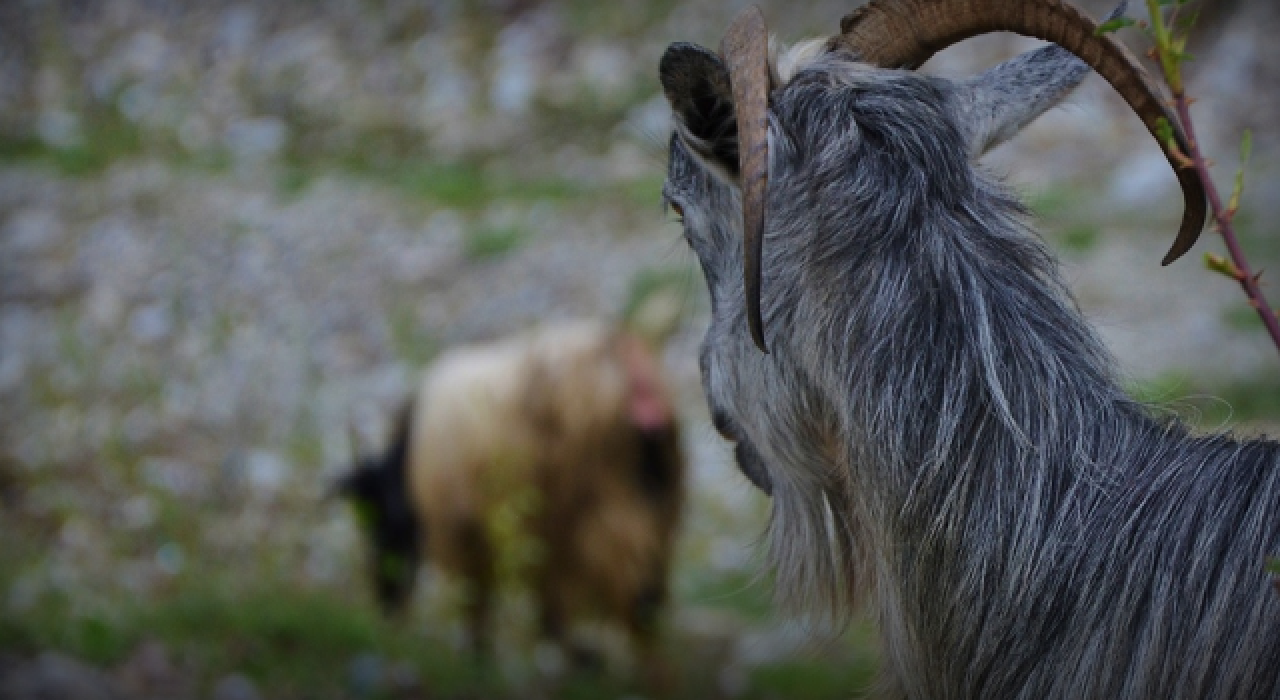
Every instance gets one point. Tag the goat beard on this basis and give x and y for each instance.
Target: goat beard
(812, 551)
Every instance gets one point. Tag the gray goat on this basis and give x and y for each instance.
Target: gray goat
(942, 434)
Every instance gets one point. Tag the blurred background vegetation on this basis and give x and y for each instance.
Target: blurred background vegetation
(227, 226)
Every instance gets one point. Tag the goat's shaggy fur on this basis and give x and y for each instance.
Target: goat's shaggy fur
(568, 430)
(943, 434)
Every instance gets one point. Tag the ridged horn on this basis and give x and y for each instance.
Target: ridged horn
(905, 33)
(745, 49)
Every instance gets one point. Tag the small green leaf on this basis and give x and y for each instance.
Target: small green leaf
(1113, 25)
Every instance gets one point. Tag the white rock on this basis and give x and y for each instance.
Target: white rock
(104, 306)
(236, 686)
(56, 675)
(265, 472)
(13, 368)
(606, 68)
(169, 558)
(32, 230)
(365, 673)
(516, 69)
(239, 29)
(424, 263)
(60, 128)
(257, 138)
(174, 476)
(138, 512)
(146, 54)
(151, 323)
(195, 134)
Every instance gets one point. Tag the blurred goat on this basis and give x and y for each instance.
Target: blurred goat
(942, 433)
(565, 434)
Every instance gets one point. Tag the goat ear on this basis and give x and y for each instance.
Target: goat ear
(998, 104)
(696, 84)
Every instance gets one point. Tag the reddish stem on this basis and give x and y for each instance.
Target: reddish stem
(1223, 218)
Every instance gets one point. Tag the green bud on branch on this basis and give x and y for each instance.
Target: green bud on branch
(1222, 266)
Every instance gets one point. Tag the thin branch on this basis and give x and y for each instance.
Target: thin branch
(1222, 217)
(1169, 50)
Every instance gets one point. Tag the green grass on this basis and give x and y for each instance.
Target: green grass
(389, 156)
(1053, 204)
(1255, 227)
(304, 445)
(410, 341)
(811, 680)
(299, 643)
(1080, 238)
(107, 137)
(656, 278)
(607, 18)
(293, 643)
(646, 191)
(292, 181)
(467, 186)
(1216, 406)
(1243, 317)
(1253, 400)
(298, 640)
(493, 242)
(20, 148)
(746, 595)
(396, 158)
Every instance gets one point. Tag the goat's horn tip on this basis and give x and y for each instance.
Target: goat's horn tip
(1193, 220)
(1181, 245)
(1175, 252)
(757, 333)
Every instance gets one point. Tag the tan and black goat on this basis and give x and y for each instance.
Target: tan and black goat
(566, 435)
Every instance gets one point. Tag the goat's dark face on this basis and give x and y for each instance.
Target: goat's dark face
(377, 491)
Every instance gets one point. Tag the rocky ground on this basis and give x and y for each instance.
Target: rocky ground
(228, 230)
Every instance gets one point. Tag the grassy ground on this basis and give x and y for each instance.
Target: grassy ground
(296, 641)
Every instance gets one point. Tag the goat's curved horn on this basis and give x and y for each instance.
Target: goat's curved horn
(746, 53)
(905, 33)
